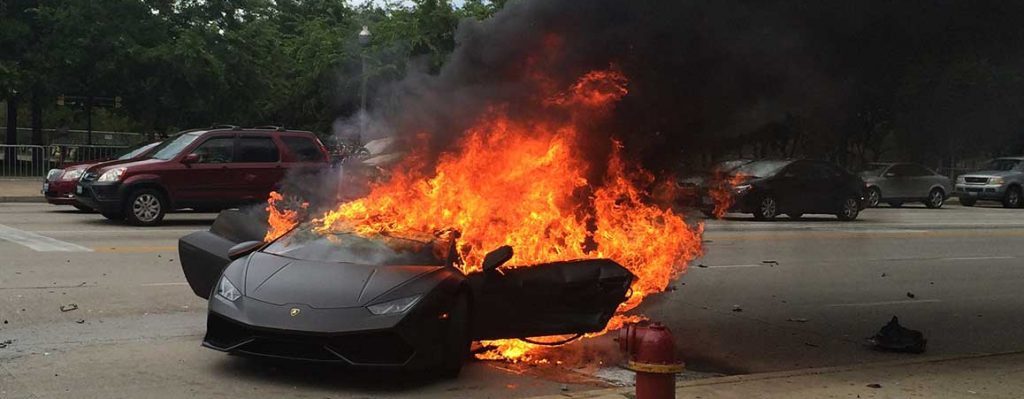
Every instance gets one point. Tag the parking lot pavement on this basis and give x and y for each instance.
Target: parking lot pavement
(765, 297)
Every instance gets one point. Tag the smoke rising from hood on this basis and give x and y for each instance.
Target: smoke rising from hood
(702, 72)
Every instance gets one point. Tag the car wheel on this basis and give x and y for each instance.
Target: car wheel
(115, 216)
(895, 204)
(795, 216)
(874, 196)
(456, 340)
(145, 207)
(935, 199)
(83, 208)
(767, 208)
(1012, 199)
(968, 201)
(850, 210)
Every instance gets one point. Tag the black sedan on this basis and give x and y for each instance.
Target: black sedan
(382, 302)
(768, 188)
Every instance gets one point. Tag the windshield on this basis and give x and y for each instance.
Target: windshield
(873, 169)
(345, 247)
(137, 151)
(1002, 164)
(170, 148)
(761, 168)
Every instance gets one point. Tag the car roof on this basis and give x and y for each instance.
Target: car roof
(1013, 158)
(260, 129)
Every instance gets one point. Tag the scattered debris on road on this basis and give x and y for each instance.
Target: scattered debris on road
(80, 321)
(883, 274)
(797, 319)
(771, 263)
(69, 307)
(910, 295)
(737, 308)
(896, 338)
(874, 385)
(701, 265)
(3, 344)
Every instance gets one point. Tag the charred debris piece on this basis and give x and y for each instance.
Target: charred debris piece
(896, 338)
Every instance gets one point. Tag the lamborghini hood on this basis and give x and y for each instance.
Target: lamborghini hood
(280, 280)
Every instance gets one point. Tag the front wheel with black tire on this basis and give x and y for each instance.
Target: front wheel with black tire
(767, 208)
(968, 201)
(145, 207)
(456, 340)
(1012, 198)
(935, 199)
(874, 197)
(849, 211)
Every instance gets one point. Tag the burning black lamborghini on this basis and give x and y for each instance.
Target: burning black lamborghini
(385, 302)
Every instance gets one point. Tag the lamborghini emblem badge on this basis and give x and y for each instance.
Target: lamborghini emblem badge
(295, 312)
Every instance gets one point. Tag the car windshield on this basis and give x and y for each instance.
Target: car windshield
(1002, 164)
(729, 166)
(170, 148)
(346, 247)
(873, 169)
(761, 168)
(134, 152)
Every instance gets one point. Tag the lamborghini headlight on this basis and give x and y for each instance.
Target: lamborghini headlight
(395, 306)
(227, 290)
(72, 174)
(112, 175)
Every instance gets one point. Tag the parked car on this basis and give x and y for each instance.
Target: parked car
(690, 187)
(385, 301)
(204, 170)
(897, 183)
(1001, 179)
(768, 188)
(59, 185)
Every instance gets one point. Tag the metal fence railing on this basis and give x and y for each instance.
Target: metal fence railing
(36, 160)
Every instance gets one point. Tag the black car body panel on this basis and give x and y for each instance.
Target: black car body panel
(800, 187)
(320, 310)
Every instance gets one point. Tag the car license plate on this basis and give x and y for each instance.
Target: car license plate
(78, 189)
(46, 187)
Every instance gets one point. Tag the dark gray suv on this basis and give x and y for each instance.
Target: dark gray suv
(1001, 180)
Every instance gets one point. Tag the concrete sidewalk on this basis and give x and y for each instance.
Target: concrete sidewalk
(21, 189)
(976, 376)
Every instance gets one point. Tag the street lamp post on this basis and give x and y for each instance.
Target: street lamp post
(364, 41)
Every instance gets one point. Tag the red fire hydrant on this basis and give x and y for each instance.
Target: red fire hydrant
(651, 351)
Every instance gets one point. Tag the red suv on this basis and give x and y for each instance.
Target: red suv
(205, 170)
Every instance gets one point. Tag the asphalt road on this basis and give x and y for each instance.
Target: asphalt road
(137, 326)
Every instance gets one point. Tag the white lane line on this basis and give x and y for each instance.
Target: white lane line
(903, 302)
(161, 284)
(38, 242)
(981, 258)
(729, 266)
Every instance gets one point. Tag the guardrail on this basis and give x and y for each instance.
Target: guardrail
(36, 160)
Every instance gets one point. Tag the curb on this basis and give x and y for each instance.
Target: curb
(23, 199)
(628, 392)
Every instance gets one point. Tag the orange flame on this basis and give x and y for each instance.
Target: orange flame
(721, 192)
(524, 183)
(280, 220)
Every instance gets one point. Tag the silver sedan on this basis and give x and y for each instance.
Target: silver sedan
(897, 183)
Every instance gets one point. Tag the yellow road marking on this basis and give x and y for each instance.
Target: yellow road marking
(134, 249)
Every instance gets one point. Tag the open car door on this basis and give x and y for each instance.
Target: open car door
(204, 254)
(571, 297)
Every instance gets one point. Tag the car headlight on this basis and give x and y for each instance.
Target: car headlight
(395, 306)
(73, 174)
(740, 189)
(112, 175)
(961, 180)
(53, 174)
(996, 180)
(227, 290)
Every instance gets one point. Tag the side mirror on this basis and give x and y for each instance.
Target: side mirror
(190, 159)
(890, 174)
(497, 257)
(243, 248)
